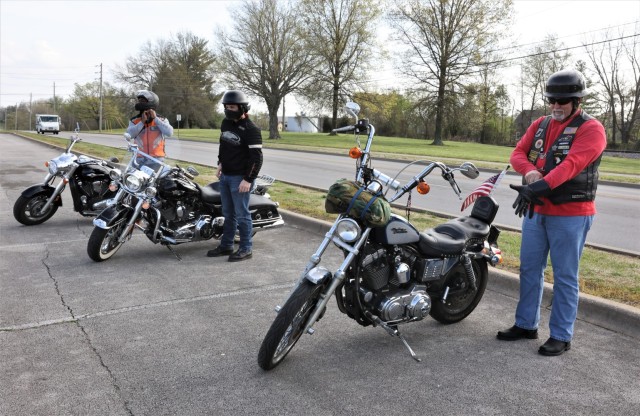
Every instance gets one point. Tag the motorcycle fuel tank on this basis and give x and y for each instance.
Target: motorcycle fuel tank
(397, 231)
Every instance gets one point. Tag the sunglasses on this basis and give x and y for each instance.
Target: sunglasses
(561, 101)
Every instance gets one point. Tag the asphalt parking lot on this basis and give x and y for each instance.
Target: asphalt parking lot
(146, 334)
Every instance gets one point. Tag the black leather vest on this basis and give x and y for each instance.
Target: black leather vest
(583, 186)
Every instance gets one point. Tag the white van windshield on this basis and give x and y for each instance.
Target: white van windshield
(48, 119)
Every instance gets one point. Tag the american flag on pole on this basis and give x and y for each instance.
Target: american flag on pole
(484, 189)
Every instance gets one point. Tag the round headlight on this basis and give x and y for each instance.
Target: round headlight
(133, 183)
(53, 167)
(348, 230)
(150, 192)
(115, 174)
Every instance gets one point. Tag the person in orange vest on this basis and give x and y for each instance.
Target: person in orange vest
(147, 129)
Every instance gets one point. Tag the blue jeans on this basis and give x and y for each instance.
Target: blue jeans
(235, 208)
(563, 238)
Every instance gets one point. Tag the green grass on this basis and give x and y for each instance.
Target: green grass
(603, 274)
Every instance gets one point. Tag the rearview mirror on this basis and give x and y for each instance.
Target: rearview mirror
(469, 170)
(352, 108)
(127, 137)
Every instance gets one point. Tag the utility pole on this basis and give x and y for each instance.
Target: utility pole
(100, 115)
(54, 98)
(30, 103)
(16, 117)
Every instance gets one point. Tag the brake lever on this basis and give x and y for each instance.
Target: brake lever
(448, 175)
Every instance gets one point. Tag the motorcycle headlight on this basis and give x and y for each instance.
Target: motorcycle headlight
(150, 192)
(135, 180)
(348, 230)
(53, 167)
(115, 174)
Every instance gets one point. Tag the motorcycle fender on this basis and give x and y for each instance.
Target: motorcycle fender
(111, 216)
(40, 188)
(318, 275)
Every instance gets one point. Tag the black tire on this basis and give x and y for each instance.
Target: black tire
(288, 325)
(462, 300)
(25, 210)
(103, 244)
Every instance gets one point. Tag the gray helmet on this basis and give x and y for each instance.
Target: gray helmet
(237, 97)
(151, 97)
(567, 83)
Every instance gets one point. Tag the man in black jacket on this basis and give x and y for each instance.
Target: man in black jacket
(239, 162)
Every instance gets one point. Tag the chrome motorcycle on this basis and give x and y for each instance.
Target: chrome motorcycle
(88, 180)
(392, 274)
(167, 205)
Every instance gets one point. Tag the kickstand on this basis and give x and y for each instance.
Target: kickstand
(174, 253)
(393, 331)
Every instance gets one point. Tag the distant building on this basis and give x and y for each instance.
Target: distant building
(300, 124)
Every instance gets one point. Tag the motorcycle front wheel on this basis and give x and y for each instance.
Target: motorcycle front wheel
(27, 210)
(462, 299)
(288, 325)
(103, 244)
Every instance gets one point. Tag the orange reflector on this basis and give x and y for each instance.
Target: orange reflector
(113, 187)
(145, 205)
(46, 164)
(423, 188)
(355, 153)
(65, 180)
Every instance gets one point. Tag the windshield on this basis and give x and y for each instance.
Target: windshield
(49, 119)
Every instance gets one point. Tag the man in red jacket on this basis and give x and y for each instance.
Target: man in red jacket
(558, 157)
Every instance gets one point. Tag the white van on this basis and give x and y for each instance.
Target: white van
(47, 123)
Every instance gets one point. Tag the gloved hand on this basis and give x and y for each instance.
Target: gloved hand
(527, 195)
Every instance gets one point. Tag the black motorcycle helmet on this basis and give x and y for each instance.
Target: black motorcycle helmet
(567, 83)
(237, 97)
(152, 100)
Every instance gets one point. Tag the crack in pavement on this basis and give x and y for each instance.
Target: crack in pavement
(87, 338)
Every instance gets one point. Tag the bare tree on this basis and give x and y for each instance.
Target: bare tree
(263, 54)
(444, 41)
(623, 95)
(341, 34)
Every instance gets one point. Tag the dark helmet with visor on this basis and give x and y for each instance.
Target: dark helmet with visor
(152, 100)
(567, 83)
(237, 97)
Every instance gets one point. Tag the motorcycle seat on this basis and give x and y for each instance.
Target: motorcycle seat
(210, 193)
(435, 244)
(469, 229)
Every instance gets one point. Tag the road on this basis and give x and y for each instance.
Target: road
(617, 221)
(146, 334)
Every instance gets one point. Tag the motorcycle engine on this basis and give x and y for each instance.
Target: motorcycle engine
(386, 288)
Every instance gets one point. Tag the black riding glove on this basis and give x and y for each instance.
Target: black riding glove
(527, 195)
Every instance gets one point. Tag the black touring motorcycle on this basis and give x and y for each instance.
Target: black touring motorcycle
(167, 205)
(392, 274)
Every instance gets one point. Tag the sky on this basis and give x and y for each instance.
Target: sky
(55, 44)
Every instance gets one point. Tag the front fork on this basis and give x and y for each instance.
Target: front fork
(57, 191)
(338, 276)
(132, 221)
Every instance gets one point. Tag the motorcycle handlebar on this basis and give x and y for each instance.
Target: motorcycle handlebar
(386, 180)
(344, 129)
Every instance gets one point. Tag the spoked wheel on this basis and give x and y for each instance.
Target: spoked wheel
(27, 210)
(462, 299)
(104, 243)
(288, 325)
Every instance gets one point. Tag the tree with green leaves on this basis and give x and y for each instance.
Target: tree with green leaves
(181, 70)
(341, 34)
(83, 106)
(263, 54)
(445, 41)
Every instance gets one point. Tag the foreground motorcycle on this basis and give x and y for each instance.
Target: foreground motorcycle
(392, 274)
(168, 206)
(88, 180)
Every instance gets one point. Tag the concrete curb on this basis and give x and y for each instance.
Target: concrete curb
(615, 316)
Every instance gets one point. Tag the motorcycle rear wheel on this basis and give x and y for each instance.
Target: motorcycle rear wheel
(26, 210)
(288, 325)
(463, 300)
(103, 244)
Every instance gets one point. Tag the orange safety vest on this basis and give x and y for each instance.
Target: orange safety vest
(150, 139)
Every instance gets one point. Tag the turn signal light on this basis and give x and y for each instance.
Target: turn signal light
(355, 153)
(46, 164)
(423, 188)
